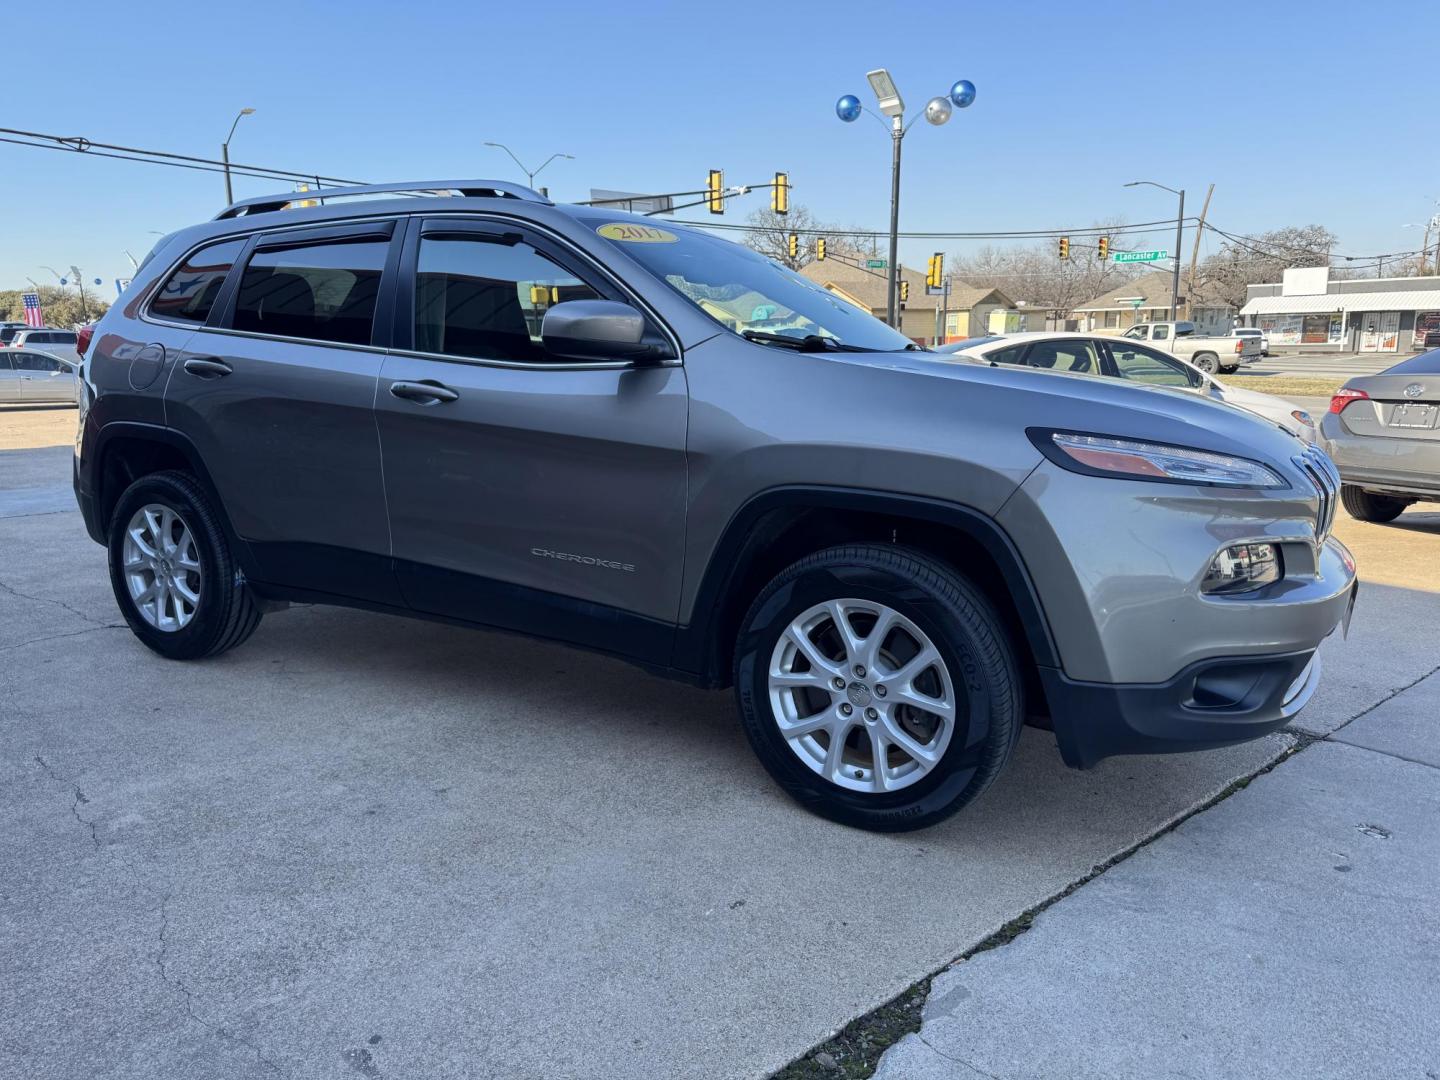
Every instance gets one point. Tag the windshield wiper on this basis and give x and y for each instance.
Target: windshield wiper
(808, 343)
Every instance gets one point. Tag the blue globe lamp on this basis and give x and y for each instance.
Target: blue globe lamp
(962, 94)
(848, 108)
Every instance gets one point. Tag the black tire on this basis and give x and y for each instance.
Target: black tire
(1207, 362)
(1230, 370)
(1368, 506)
(966, 631)
(226, 613)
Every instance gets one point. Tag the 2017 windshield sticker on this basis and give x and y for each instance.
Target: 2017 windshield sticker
(631, 233)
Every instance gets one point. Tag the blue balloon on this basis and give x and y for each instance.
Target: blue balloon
(962, 93)
(848, 108)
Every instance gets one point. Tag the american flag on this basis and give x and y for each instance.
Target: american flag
(34, 314)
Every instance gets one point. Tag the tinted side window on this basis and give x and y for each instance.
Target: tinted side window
(29, 361)
(1006, 356)
(1067, 354)
(190, 292)
(485, 299)
(324, 292)
(1161, 333)
(1148, 366)
(63, 338)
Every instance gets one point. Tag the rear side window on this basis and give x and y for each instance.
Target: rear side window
(29, 361)
(189, 293)
(323, 292)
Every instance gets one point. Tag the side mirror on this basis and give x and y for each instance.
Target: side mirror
(594, 330)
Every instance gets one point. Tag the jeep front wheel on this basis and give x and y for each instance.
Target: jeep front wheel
(878, 687)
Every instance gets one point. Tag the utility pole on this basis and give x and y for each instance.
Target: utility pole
(1195, 255)
(1179, 239)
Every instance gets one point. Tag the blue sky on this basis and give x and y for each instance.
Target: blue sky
(1297, 110)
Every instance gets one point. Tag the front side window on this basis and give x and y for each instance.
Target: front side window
(485, 298)
(1067, 354)
(1010, 355)
(189, 293)
(1148, 366)
(321, 292)
(746, 292)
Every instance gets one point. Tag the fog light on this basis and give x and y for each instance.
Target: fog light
(1242, 568)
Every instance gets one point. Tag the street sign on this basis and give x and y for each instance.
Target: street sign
(875, 264)
(1140, 256)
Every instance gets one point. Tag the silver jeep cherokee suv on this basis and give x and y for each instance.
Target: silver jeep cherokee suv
(635, 437)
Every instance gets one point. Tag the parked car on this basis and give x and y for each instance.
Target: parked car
(1085, 354)
(1254, 332)
(1432, 338)
(8, 330)
(1209, 354)
(639, 438)
(59, 343)
(1384, 433)
(32, 377)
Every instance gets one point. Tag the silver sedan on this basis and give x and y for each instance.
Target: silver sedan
(1383, 431)
(33, 377)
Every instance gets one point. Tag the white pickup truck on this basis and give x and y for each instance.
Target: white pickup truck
(1209, 354)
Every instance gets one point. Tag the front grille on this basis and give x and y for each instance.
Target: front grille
(1325, 478)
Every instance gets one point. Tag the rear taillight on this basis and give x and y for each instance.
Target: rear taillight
(82, 338)
(1344, 396)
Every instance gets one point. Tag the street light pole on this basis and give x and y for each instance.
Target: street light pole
(225, 153)
(1179, 241)
(530, 174)
(897, 136)
(937, 111)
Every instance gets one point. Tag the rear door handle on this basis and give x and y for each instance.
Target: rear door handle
(207, 367)
(426, 392)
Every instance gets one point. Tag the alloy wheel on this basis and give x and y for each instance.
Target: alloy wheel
(862, 696)
(162, 567)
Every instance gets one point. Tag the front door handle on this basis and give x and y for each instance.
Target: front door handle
(426, 392)
(207, 367)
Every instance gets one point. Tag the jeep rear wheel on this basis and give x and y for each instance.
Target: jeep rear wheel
(878, 687)
(1368, 506)
(171, 568)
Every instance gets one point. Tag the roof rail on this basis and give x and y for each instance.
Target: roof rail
(265, 204)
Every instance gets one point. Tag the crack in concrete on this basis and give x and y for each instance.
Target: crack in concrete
(175, 982)
(161, 957)
(50, 600)
(1371, 708)
(957, 1060)
(57, 637)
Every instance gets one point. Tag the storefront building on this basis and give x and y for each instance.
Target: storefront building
(1310, 310)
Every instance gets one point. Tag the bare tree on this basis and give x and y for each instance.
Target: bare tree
(1243, 261)
(769, 233)
(1036, 274)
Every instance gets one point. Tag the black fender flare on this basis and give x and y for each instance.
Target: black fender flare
(697, 644)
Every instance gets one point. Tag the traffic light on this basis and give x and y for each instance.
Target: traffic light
(794, 244)
(820, 249)
(904, 291)
(1104, 248)
(715, 192)
(1064, 247)
(935, 271)
(780, 194)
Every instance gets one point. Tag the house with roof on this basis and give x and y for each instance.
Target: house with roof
(1147, 299)
(968, 311)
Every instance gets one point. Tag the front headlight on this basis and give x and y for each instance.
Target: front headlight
(1100, 455)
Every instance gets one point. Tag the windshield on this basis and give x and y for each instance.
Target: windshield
(746, 292)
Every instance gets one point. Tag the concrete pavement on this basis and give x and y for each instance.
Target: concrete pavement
(1289, 931)
(370, 845)
(362, 844)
